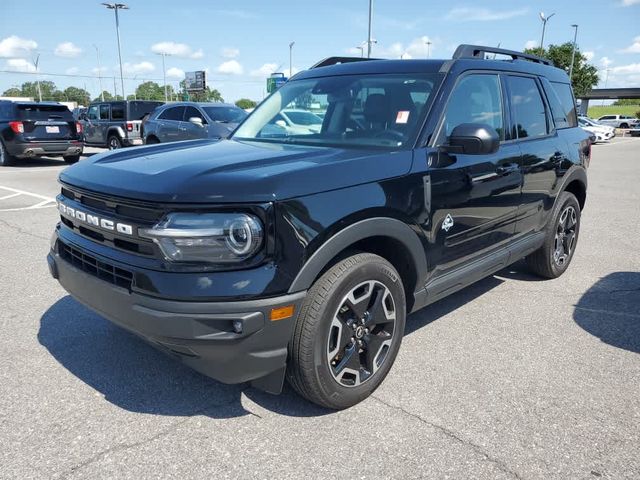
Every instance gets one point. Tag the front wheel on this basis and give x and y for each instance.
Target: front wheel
(114, 142)
(553, 258)
(348, 333)
(624, 125)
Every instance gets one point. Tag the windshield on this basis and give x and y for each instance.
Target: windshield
(225, 114)
(383, 110)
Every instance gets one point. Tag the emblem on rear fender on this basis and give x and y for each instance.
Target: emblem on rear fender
(94, 220)
(447, 223)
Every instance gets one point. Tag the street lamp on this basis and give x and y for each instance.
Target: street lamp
(164, 75)
(115, 7)
(573, 53)
(35, 64)
(369, 39)
(544, 26)
(361, 48)
(606, 80)
(291, 58)
(428, 43)
(99, 72)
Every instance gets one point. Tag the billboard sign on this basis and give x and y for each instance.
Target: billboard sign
(275, 81)
(195, 81)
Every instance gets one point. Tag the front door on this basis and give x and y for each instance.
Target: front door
(473, 202)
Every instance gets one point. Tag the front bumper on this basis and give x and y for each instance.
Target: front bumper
(200, 334)
(37, 149)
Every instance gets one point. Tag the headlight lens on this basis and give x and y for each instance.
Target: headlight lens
(207, 237)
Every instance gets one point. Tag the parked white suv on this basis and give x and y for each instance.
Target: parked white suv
(603, 133)
(619, 121)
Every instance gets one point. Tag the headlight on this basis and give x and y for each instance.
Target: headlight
(207, 237)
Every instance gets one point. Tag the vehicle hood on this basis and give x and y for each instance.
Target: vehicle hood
(204, 171)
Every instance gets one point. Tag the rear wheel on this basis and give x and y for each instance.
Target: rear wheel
(553, 258)
(6, 160)
(348, 332)
(71, 158)
(114, 142)
(624, 125)
(151, 140)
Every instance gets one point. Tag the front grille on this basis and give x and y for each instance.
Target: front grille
(91, 265)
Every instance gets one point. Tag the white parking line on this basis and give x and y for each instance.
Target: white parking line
(45, 202)
(6, 197)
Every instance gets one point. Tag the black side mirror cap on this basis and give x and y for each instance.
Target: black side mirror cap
(473, 139)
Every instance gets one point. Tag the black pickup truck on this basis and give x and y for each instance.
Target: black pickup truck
(296, 254)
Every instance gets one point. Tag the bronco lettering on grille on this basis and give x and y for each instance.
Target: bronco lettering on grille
(94, 220)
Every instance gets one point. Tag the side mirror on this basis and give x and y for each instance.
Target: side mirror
(473, 139)
(196, 121)
(281, 123)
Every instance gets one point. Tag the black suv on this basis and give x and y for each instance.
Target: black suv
(32, 129)
(116, 124)
(298, 254)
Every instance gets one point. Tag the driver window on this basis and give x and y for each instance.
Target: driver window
(475, 99)
(92, 114)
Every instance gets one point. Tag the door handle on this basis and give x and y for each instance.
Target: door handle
(507, 168)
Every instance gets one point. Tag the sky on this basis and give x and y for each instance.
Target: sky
(239, 43)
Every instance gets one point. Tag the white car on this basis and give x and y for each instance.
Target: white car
(298, 121)
(619, 121)
(603, 133)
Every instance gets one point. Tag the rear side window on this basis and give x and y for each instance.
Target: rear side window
(475, 99)
(43, 112)
(104, 112)
(172, 113)
(608, 117)
(117, 112)
(563, 91)
(530, 116)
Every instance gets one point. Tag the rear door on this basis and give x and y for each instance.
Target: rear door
(169, 124)
(103, 123)
(46, 123)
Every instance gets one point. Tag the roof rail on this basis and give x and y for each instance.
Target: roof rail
(478, 51)
(335, 60)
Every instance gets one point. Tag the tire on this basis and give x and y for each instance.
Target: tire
(325, 330)
(151, 140)
(553, 258)
(114, 142)
(71, 158)
(6, 160)
(624, 125)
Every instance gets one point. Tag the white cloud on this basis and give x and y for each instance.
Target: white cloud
(19, 65)
(265, 70)
(67, 49)
(96, 70)
(417, 48)
(531, 44)
(634, 47)
(628, 3)
(231, 67)
(588, 55)
(606, 62)
(138, 68)
(229, 52)
(13, 47)
(468, 14)
(631, 69)
(177, 49)
(71, 71)
(174, 72)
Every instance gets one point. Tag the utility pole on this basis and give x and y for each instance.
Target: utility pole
(115, 91)
(291, 59)
(164, 75)
(369, 41)
(544, 26)
(115, 7)
(606, 80)
(35, 64)
(99, 72)
(428, 43)
(573, 53)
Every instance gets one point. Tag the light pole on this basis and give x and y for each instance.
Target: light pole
(544, 26)
(428, 43)
(164, 75)
(369, 41)
(291, 58)
(573, 53)
(606, 79)
(361, 48)
(115, 7)
(35, 64)
(99, 73)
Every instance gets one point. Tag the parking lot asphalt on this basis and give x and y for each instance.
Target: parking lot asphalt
(510, 378)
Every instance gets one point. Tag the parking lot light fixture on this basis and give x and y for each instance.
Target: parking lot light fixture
(369, 39)
(544, 27)
(573, 53)
(428, 44)
(115, 7)
(99, 72)
(291, 58)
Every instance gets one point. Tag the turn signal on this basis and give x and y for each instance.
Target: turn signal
(281, 313)
(17, 127)
(129, 127)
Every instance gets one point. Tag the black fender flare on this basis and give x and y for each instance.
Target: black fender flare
(576, 172)
(371, 227)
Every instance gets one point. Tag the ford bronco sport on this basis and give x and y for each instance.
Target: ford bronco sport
(298, 255)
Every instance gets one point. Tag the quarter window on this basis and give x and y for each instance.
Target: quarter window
(104, 112)
(475, 99)
(530, 116)
(563, 91)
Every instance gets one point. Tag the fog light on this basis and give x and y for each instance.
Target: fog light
(237, 326)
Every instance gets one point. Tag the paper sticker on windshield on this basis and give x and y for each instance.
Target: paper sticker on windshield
(403, 116)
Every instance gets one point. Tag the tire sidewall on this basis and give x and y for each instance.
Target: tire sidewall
(119, 143)
(340, 395)
(566, 200)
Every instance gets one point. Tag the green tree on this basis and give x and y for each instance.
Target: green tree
(245, 103)
(12, 92)
(585, 75)
(627, 101)
(78, 95)
(48, 89)
(149, 91)
(107, 96)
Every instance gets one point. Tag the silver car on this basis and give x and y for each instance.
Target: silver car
(189, 121)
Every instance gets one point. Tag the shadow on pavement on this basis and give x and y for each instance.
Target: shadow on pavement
(136, 377)
(610, 310)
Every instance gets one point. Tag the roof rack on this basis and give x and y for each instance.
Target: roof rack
(477, 51)
(335, 60)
